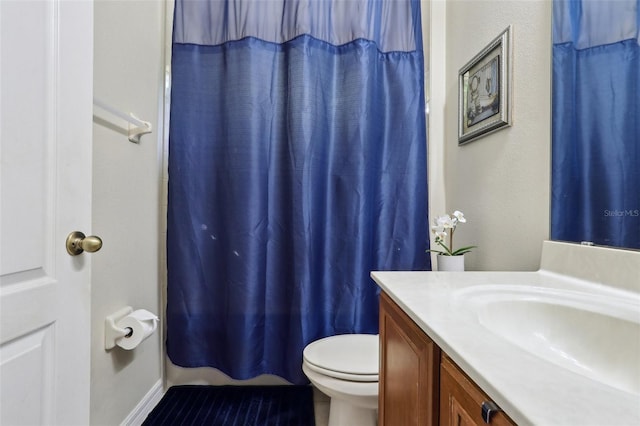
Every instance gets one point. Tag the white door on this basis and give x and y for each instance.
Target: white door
(46, 55)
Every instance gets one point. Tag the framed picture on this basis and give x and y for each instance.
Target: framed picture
(484, 87)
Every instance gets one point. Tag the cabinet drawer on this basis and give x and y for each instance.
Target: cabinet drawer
(461, 400)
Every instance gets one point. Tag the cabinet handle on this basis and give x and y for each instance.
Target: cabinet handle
(489, 408)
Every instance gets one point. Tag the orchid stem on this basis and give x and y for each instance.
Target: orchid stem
(451, 240)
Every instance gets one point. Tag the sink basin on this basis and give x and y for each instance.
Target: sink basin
(597, 336)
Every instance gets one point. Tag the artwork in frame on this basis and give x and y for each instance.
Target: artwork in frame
(484, 90)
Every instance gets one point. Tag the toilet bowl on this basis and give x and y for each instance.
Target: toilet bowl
(345, 368)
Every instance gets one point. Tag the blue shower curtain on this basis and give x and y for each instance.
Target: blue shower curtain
(297, 165)
(596, 122)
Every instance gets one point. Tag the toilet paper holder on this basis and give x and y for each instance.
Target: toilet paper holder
(112, 332)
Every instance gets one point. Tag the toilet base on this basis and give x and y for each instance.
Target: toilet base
(342, 413)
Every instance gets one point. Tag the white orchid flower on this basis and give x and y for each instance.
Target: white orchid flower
(445, 221)
(440, 236)
(460, 216)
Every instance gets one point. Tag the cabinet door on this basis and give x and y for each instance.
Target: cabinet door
(461, 399)
(408, 370)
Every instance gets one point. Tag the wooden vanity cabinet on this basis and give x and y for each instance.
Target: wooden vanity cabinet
(419, 384)
(409, 370)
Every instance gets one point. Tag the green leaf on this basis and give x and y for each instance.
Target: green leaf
(437, 251)
(463, 250)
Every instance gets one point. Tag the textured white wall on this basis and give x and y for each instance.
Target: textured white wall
(501, 181)
(434, 35)
(128, 74)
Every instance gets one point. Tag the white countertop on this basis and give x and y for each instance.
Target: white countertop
(528, 388)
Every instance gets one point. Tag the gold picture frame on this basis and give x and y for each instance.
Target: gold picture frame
(484, 90)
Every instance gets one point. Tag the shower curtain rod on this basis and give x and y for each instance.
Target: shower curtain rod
(144, 127)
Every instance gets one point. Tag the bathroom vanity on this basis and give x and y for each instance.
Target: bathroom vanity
(557, 346)
(420, 384)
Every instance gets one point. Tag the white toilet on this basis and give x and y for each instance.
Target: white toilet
(345, 367)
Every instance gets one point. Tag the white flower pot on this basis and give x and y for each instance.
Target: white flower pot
(450, 263)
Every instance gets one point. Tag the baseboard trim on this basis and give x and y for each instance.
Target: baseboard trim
(144, 407)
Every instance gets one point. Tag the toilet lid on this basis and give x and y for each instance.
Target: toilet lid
(345, 356)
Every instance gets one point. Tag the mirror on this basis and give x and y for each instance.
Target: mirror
(595, 182)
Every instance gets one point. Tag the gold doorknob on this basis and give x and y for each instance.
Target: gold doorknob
(77, 242)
